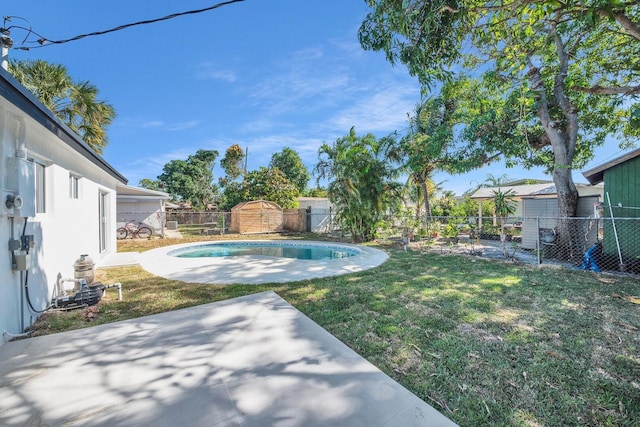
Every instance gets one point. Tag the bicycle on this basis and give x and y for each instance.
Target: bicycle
(133, 230)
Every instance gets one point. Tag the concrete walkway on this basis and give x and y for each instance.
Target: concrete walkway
(119, 259)
(250, 361)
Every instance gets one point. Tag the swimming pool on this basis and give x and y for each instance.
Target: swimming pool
(280, 249)
(257, 268)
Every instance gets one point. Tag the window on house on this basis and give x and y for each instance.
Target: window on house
(40, 188)
(74, 184)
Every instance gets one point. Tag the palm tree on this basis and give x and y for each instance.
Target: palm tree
(361, 181)
(76, 104)
(425, 147)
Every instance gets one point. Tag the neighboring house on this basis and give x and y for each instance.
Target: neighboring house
(545, 190)
(540, 214)
(621, 177)
(55, 189)
(141, 206)
(537, 206)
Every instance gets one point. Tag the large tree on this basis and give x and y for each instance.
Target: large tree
(360, 181)
(233, 165)
(290, 163)
(75, 103)
(191, 180)
(269, 184)
(558, 76)
(551, 80)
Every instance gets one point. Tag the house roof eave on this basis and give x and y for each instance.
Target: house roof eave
(595, 175)
(19, 96)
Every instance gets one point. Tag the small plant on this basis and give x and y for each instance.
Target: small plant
(434, 229)
(451, 230)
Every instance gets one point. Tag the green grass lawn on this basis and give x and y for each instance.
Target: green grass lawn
(484, 342)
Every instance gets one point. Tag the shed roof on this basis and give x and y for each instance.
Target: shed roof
(596, 175)
(257, 204)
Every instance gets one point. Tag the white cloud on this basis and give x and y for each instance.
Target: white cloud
(212, 72)
(183, 126)
(151, 124)
(382, 109)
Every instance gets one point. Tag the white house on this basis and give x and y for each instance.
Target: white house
(141, 206)
(58, 201)
(540, 190)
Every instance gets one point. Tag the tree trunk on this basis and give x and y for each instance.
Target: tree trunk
(427, 206)
(563, 141)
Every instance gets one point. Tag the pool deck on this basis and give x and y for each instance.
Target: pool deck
(249, 361)
(255, 269)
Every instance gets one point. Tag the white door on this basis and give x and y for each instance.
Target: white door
(102, 217)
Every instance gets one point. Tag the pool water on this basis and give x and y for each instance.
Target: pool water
(307, 252)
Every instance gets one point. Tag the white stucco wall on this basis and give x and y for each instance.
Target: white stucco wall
(68, 227)
(149, 213)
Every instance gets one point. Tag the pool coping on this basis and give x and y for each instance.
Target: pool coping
(256, 269)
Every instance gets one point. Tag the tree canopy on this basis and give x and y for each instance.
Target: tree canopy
(426, 147)
(269, 184)
(75, 103)
(232, 164)
(360, 181)
(550, 80)
(191, 180)
(290, 163)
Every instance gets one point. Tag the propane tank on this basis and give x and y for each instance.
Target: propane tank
(84, 269)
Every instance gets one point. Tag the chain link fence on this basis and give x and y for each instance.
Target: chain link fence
(596, 244)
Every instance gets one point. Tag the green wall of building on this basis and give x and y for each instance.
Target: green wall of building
(622, 183)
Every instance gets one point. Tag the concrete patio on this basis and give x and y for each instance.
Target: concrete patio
(250, 361)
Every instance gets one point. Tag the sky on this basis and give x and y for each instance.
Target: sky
(261, 74)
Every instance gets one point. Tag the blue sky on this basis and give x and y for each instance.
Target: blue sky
(261, 74)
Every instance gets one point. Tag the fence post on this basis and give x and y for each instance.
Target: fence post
(538, 247)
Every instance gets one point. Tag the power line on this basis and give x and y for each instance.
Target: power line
(43, 41)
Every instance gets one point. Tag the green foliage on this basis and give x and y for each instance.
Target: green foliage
(290, 163)
(451, 230)
(424, 149)
(231, 196)
(269, 184)
(445, 205)
(191, 180)
(317, 192)
(557, 78)
(75, 103)
(232, 164)
(504, 202)
(150, 184)
(360, 182)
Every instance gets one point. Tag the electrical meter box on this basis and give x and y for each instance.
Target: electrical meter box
(21, 180)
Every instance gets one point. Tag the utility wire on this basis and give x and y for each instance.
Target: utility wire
(43, 41)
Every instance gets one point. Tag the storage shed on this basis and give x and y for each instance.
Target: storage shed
(621, 177)
(258, 216)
